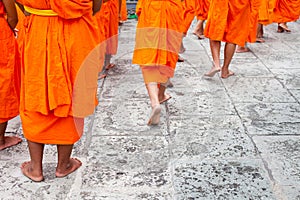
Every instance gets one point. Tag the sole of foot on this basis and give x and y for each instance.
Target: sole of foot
(155, 116)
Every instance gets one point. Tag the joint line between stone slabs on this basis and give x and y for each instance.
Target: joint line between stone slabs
(276, 78)
(265, 163)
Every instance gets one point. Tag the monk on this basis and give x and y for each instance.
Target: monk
(103, 18)
(189, 13)
(286, 11)
(123, 13)
(112, 40)
(158, 39)
(254, 7)
(228, 21)
(265, 17)
(202, 7)
(59, 36)
(9, 71)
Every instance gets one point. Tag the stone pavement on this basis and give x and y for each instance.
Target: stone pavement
(233, 139)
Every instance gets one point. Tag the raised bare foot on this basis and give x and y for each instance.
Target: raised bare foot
(180, 59)
(213, 71)
(28, 171)
(280, 29)
(227, 74)
(101, 76)
(73, 165)
(199, 35)
(242, 49)
(164, 99)
(155, 116)
(10, 141)
(110, 66)
(260, 40)
(284, 27)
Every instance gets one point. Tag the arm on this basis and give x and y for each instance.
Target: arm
(96, 6)
(12, 16)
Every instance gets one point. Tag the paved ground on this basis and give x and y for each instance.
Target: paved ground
(229, 139)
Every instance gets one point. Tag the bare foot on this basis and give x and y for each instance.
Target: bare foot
(199, 35)
(182, 49)
(242, 49)
(227, 74)
(155, 115)
(101, 76)
(10, 141)
(28, 171)
(110, 66)
(280, 29)
(284, 27)
(164, 99)
(260, 40)
(73, 165)
(180, 59)
(213, 71)
(170, 84)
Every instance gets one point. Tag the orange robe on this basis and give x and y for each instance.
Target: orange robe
(265, 12)
(9, 71)
(286, 11)
(58, 84)
(123, 11)
(202, 7)
(189, 13)
(102, 19)
(229, 21)
(112, 40)
(158, 38)
(254, 9)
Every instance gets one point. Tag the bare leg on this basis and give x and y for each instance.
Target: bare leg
(228, 54)
(107, 63)
(260, 33)
(215, 47)
(66, 165)
(156, 109)
(198, 31)
(162, 96)
(182, 48)
(33, 169)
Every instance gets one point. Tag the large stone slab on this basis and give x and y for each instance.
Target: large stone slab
(14, 185)
(289, 78)
(200, 102)
(282, 155)
(250, 67)
(133, 161)
(273, 119)
(210, 138)
(126, 118)
(255, 89)
(222, 179)
(122, 194)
